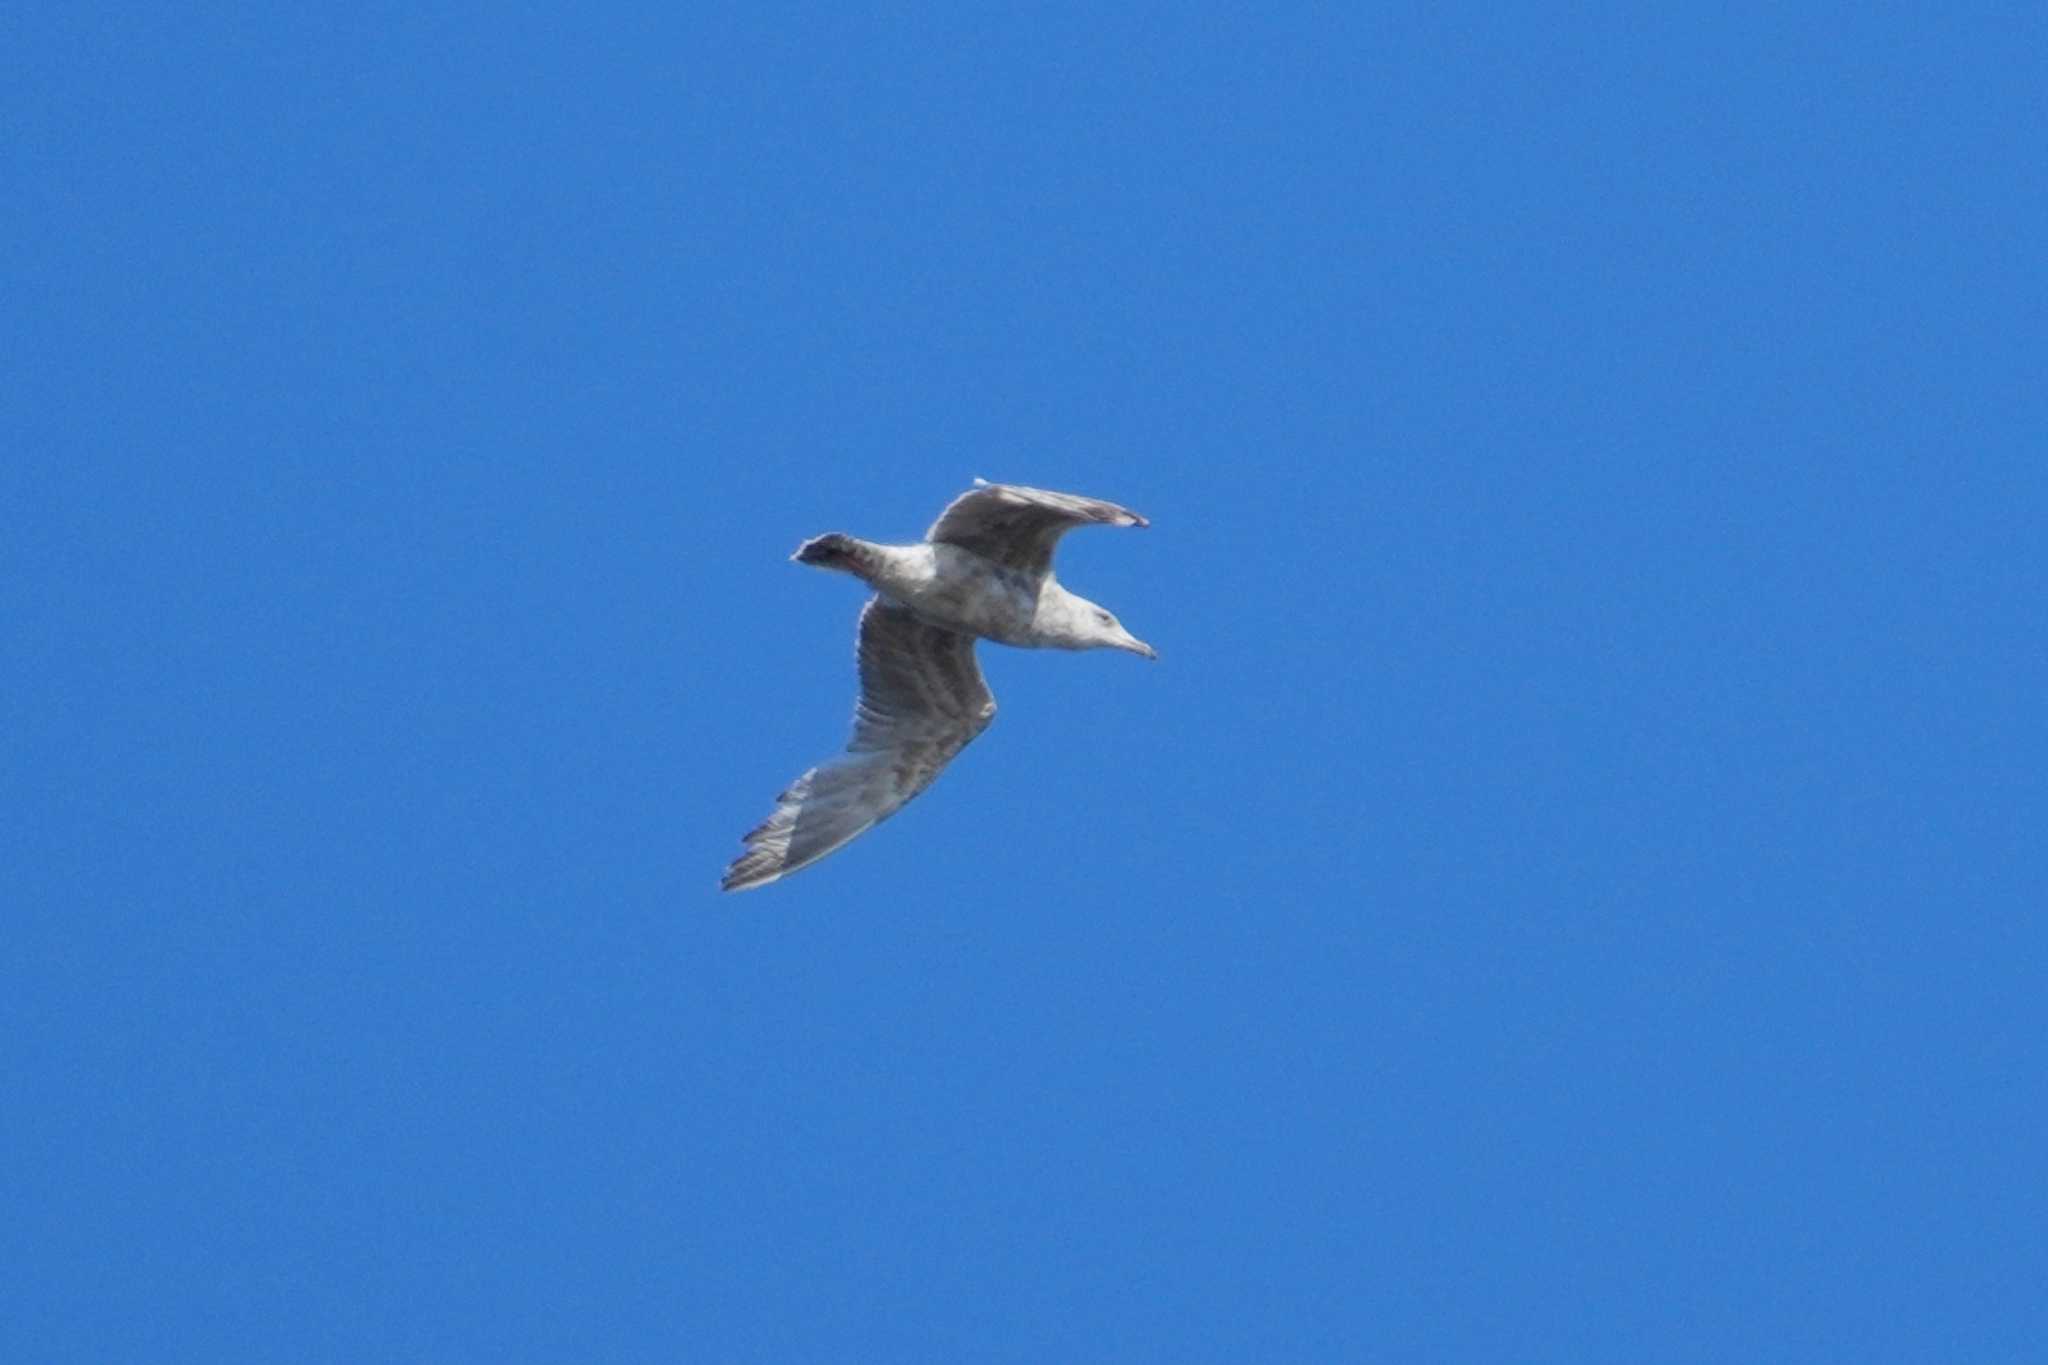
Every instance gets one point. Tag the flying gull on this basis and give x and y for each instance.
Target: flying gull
(983, 571)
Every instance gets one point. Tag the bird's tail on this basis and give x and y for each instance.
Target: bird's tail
(832, 551)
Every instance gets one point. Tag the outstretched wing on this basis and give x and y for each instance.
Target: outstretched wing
(922, 698)
(1018, 527)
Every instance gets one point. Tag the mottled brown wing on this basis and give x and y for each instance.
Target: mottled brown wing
(922, 698)
(1018, 527)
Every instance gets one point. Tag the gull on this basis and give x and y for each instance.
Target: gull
(982, 572)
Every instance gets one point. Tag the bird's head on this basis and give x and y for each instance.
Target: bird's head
(1101, 630)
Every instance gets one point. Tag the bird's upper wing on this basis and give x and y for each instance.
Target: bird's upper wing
(1017, 527)
(922, 698)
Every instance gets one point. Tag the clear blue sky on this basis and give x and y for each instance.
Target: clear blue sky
(1571, 889)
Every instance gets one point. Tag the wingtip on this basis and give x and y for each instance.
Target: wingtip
(734, 880)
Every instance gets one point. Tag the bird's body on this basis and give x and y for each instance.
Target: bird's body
(983, 571)
(954, 589)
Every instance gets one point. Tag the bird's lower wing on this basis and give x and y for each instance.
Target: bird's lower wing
(830, 806)
(922, 700)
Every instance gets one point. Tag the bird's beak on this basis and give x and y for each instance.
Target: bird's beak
(1137, 646)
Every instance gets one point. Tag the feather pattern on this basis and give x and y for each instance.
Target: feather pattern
(922, 699)
(1018, 527)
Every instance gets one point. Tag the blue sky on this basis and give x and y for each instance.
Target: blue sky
(1570, 890)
